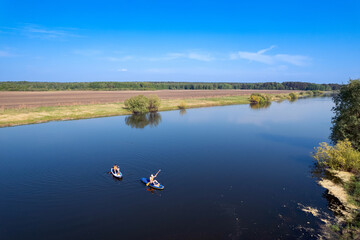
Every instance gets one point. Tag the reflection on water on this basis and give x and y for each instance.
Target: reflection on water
(182, 112)
(142, 120)
(257, 106)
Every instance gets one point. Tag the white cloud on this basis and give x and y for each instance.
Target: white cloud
(192, 56)
(37, 31)
(297, 60)
(200, 57)
(260, 56)
(187, 55)
(122, 70)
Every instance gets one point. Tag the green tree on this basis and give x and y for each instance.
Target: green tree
(138, 104)
(259, 98)
(346, 122)
(154, 103)
(293, 96)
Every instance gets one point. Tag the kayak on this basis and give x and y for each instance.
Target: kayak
(117, 175)
(146, 180)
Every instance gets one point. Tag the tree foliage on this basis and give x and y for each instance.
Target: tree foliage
(293, 96)
(111, 86)
(259, 98)
(182, 105)
(346, 122)
(154, 103)
(340, 157)
(141, 104)
(138, 104)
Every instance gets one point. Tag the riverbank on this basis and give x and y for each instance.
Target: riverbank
(31, 115)
(17, 99)
(345, 223)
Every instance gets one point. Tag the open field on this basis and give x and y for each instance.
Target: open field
(9, 99)
(28, 110)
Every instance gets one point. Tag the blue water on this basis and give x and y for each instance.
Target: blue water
(229, 172)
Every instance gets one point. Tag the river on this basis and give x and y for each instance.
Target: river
(230, 172)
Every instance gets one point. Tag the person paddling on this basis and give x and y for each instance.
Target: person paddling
(153, 181)
(116, 169)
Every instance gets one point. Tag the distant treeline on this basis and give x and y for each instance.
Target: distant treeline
(110, 86)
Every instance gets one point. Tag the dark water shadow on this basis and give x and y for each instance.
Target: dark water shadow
(259, 106)
(152, 119)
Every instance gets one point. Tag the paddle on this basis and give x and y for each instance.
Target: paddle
(154, 177)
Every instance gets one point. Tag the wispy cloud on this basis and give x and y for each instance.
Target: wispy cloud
(184, 55)
(260, 56)
(37, 31)
(193, 56)
(122, 70)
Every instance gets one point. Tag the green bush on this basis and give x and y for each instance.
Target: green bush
(293, 96)
(154, 103)
(310, 93)
(182, 105)
(317, 92)
(259, 98)
(340, 157)
(138, 104)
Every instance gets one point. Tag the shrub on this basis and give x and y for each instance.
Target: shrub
(259, 98)
(182, 105)
(154, 103)
(340, 157)
(310, 93)
(293, 96)
(317, 92)
(138, 104)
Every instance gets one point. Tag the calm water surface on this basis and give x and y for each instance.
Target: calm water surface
(231, 172)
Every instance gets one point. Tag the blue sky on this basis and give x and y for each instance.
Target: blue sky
(223, 41)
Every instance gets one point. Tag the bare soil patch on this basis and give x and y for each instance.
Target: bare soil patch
(10, 99)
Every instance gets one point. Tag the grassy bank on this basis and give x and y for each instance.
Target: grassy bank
(20, 116)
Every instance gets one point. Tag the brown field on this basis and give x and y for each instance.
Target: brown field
(10, 99)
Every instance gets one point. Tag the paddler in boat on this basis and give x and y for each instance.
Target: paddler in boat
(116, 169)
(153, 181)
